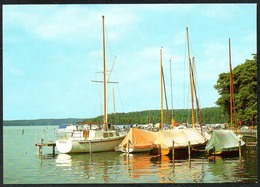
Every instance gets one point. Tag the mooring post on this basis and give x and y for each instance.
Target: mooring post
(53, 150)
(214, 153)
(40, 147)
(90, 150)
(159, 149)
(239, 148)
(189, 149)
(128, 146)
(173, 151)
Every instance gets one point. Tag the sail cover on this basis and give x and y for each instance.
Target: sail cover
(139, 138)
(223, 139)
(181, 138)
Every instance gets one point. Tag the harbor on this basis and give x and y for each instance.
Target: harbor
(250, 138)
(130, 94)
(114, 167)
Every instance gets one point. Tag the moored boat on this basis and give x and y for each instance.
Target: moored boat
(80, 140)
(224, 143)
(83, 139)
(179, 140)
(138, 140)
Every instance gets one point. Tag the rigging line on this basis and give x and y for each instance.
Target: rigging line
(171, 85)
(167, 109)
(198, 91)
(112, 69)
(185, 100)
(198, 111)
(109, 50)
(120, 98)
(197, 81)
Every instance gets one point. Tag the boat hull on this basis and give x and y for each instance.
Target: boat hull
(231, 152)
(87, 146)
(179, 152)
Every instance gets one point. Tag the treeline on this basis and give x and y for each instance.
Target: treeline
(209, 116)
(39, 122)
(245, 92)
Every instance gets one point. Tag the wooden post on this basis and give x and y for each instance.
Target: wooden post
(40, 147)
(173, 150)
(128, 146)
(189, 149)
(214, 152)
(53, 150)
(90, 151)
(239, 148)
(159, 149)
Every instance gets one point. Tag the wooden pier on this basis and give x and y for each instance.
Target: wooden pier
(49, 144)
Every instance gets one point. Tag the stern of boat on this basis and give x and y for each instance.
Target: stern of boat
(64, 146)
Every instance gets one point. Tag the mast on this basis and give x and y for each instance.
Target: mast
(104, 71)
(191, 78)
(196, 96)
(161, 90)
(166, 103)
(231, 89)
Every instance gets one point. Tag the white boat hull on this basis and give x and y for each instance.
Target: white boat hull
(87, 146)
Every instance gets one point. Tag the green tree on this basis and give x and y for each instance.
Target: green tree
(245, 88)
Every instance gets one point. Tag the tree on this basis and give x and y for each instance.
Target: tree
(245, 91)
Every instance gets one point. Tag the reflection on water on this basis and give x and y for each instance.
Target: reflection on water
(114, 167)
(63, 160)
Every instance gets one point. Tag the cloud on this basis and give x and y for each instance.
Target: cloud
(64, 42)
(219, 12)
(60, 24)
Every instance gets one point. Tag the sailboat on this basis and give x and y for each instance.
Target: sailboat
(138, 140)
(226, 142)
(85, 139)
(179, 139)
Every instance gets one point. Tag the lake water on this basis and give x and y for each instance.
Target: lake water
(23, 165)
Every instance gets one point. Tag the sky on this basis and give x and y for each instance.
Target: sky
(51, 54)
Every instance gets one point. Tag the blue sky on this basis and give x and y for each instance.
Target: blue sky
(52, 52)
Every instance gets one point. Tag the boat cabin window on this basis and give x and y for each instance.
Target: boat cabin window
(111, 134)
(117, 134)
(105, 135)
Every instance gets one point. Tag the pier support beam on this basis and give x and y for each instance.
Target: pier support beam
(173, 153)
(160, 149)
(41, 144)
(40, 147)
(90, 150)
(53, 150)
(189, 149)
(128, 146)
(239, 148)
(173, 150)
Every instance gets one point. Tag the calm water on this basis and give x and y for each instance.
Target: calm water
(23, 165)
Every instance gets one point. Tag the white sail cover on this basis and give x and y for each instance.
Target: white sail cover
(181, 138)
(223, 139)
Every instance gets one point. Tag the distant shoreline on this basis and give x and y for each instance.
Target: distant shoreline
(210, 115)
(41, 122)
